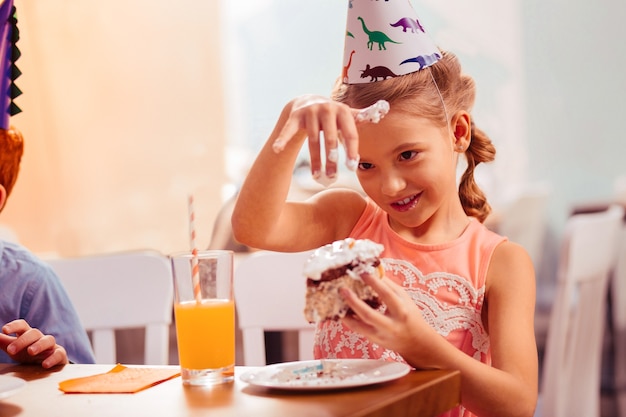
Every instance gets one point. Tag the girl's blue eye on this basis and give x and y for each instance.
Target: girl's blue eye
(365, 166)
(407, 155)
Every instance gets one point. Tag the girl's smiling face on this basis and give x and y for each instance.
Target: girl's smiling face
(408, 168)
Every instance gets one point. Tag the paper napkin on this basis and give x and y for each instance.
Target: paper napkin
(120, 379)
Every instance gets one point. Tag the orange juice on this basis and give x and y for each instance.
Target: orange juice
(205, 333)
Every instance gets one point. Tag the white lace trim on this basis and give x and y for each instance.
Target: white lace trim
(445, 318)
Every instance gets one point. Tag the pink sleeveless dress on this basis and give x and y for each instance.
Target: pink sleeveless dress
(447, 282)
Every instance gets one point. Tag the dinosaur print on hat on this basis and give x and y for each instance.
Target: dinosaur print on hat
(384, 38)
(408, 23)
(375, 37)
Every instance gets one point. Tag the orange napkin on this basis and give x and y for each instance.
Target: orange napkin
(118, 380)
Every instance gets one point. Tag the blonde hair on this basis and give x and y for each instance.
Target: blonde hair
(421, 93)
(11, 150)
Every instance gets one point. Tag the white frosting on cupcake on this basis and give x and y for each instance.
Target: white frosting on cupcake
(340, 253)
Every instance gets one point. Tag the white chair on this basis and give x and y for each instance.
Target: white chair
(270, 296)
(121, 291)
(618, 292)
(619, 188)
(523, 220)
(572, 365)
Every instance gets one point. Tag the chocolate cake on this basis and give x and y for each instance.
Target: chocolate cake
(336, 265)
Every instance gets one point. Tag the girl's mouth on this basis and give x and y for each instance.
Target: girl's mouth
(405, 204)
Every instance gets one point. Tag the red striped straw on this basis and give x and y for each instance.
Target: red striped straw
(195, 269)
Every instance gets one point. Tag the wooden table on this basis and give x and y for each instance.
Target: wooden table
(420, 393)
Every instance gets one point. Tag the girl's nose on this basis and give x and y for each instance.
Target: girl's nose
(392, 183)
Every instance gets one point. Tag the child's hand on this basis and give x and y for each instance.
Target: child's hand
(314, 114)
(25, 344)
(400, 328)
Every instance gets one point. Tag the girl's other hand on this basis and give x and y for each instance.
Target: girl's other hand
(25, 344)
(400, 327)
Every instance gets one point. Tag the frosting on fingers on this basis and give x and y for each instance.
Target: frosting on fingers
(278, 146)
(352, 164)
(333, 155)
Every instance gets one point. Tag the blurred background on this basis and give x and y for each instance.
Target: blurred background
(131, 106)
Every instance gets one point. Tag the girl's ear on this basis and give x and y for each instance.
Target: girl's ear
(461, 128)
(3, 196)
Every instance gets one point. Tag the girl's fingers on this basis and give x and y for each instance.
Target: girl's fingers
(349, 137)
(328, 118)
(347, 124)
(297, 120)
(390, 293)
(366, 314)
(357, 325)
(315, 149)
(316, 114)
(288, 131)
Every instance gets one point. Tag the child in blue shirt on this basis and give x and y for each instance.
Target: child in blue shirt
(39, 323)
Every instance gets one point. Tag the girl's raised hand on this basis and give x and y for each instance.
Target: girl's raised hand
(25, 344)
(314, 114)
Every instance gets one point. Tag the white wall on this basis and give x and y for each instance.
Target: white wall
(574, 67)
(575, 63)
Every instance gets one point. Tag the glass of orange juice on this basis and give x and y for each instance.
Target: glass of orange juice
(204, 312)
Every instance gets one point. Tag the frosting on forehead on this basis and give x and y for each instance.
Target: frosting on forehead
(340, 253)
(373, 113)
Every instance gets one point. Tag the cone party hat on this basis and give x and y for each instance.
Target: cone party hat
(9, 53)
(384, 38)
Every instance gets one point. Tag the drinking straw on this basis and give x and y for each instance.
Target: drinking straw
(195, 269)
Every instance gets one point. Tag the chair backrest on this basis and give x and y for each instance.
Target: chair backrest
(619, 189)
(523, 220)
(572, 365)
(121, 291)
(619, 322)
(270, 296)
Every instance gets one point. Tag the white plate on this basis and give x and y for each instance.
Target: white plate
(326, 374)
(9, 385)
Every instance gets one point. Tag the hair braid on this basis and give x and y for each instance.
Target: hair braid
(472, 197)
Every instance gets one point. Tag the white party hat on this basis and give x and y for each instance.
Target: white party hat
(384, 38)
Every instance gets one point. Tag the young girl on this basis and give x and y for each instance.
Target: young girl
(456, 295)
